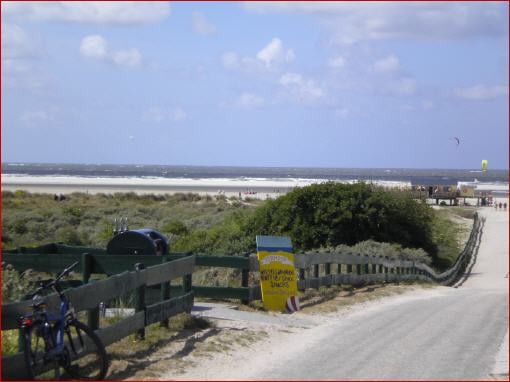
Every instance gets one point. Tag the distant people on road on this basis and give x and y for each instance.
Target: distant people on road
(501, 205)
(504, 206)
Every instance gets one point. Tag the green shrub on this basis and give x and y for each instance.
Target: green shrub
(330, 214)
(14, 285)
(176, 228)
(68, 235)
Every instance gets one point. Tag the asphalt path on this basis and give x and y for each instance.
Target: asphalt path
(440, 334)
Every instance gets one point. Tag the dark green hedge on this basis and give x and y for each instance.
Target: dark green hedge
(329, 214)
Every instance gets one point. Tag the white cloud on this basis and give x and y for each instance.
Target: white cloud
(230, 60)
(21, 57)
(389, 64)
(201, 25)
(154, 115)
(481, 92)
(301, 88)
(35, 118)
(249, 101)
(337, 62)
(404, 86)
(269, 58)
(130, 57)
(351, 22)
(274, 52)
(178, 115)
(158, 115)
(290, 79)
(95, 12)
(16, 43)
(96, 47)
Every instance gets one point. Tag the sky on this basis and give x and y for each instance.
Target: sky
(304, 84)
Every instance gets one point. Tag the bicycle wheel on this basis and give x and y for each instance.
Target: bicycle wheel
(86, 355)
(39, 364)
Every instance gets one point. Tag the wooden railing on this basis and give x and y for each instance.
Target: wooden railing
(315, 270)
(90, 295)
(324, 269)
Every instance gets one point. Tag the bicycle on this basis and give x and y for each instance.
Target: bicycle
(59, 341)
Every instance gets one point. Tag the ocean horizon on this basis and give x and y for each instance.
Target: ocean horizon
(406, 175)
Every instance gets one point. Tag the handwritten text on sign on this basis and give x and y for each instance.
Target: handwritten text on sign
(277, 278)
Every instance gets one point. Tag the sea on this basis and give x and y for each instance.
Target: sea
(400, 175)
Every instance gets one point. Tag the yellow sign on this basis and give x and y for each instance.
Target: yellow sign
(278, 280)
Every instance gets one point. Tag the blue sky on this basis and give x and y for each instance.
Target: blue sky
(256, 84)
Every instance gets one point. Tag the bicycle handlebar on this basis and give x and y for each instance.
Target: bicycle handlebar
(66, 271)
(53, 283)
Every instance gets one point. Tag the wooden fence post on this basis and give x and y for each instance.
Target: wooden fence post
(140, 302)
(165, 295)
(86, 268)
(245, 276)
(187, 286)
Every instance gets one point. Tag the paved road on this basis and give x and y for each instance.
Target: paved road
(439, 334)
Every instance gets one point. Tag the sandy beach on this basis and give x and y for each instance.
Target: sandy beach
(261, 188)
(255, 188)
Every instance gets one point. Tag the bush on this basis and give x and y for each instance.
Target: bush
(329, 214)
(69, 236)
(175, 227)
(14, 285)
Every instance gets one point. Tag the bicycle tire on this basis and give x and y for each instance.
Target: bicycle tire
(87, 359)
(36, 346)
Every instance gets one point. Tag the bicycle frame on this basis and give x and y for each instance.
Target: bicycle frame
(59, 321)
(56, 321)
(51, 329)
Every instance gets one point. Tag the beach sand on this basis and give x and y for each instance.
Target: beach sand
(260, 188)
(253, 188)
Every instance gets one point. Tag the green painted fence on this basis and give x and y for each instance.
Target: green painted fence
(88, 296)
(315, 270)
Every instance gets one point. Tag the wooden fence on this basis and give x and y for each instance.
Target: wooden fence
(90, 295)
(315, 270)
(324, 269)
